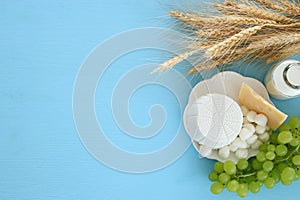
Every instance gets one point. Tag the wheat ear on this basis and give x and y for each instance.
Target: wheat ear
(259, 12)
(291, 8)
(271, 4)
(191, 18)
(233, 40)
(173, 61)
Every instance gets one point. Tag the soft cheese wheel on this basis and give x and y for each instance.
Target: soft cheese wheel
(214, 120)
(249, 98)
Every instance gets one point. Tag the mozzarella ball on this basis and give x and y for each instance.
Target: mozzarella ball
(261, 120)
(239, 143)
(245, 134)
(260, 129)
(224, 152)
(251, 116)
(241, 153)
(233, 148)
(252, 139)
(250, 127)
(264, 137)
(256, 145)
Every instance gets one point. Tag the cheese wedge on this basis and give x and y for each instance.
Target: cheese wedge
(253, 101)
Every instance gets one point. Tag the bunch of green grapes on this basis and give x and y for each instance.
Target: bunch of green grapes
(278, 161)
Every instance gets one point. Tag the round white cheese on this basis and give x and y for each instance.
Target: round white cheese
(214, 120)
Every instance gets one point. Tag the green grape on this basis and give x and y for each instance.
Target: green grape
(262, 175)
(254, 187)
(273, 138)
(296, 160)
(233, 186)
(229, 167)
(256, 164)
(281, 166)
(268, 166)
(213, 176)
(285, 137)
(281, 150)
(294, 122)
(219, 167)
(216, 188)
(288, 174)
(275, 174)
(224, 178)
(270, 182)
(286, 182)
(271, 147)
(242, 164)
(270, 155)
(261, 156)
(285, 127)
(295, 142)
(242, 191)
(263, 147)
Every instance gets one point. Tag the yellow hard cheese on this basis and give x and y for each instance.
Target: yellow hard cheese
(253, 101)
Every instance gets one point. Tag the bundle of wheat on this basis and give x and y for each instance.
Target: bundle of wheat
(236, 29)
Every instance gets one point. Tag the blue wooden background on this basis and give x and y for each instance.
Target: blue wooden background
(42, 45)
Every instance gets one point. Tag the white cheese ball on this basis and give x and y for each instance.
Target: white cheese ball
(256, 145)
(251, 116)
(260, 129)
(245, 110)
(224, 152)
(239, 143)
(233, 148)
(245, 134)
(264, 137)
(252, 139)
(250, 127)
(241, 153)
(261, 120)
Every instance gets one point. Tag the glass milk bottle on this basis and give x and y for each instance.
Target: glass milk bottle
(283, 80)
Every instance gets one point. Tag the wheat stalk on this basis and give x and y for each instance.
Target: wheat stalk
(265, 29)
